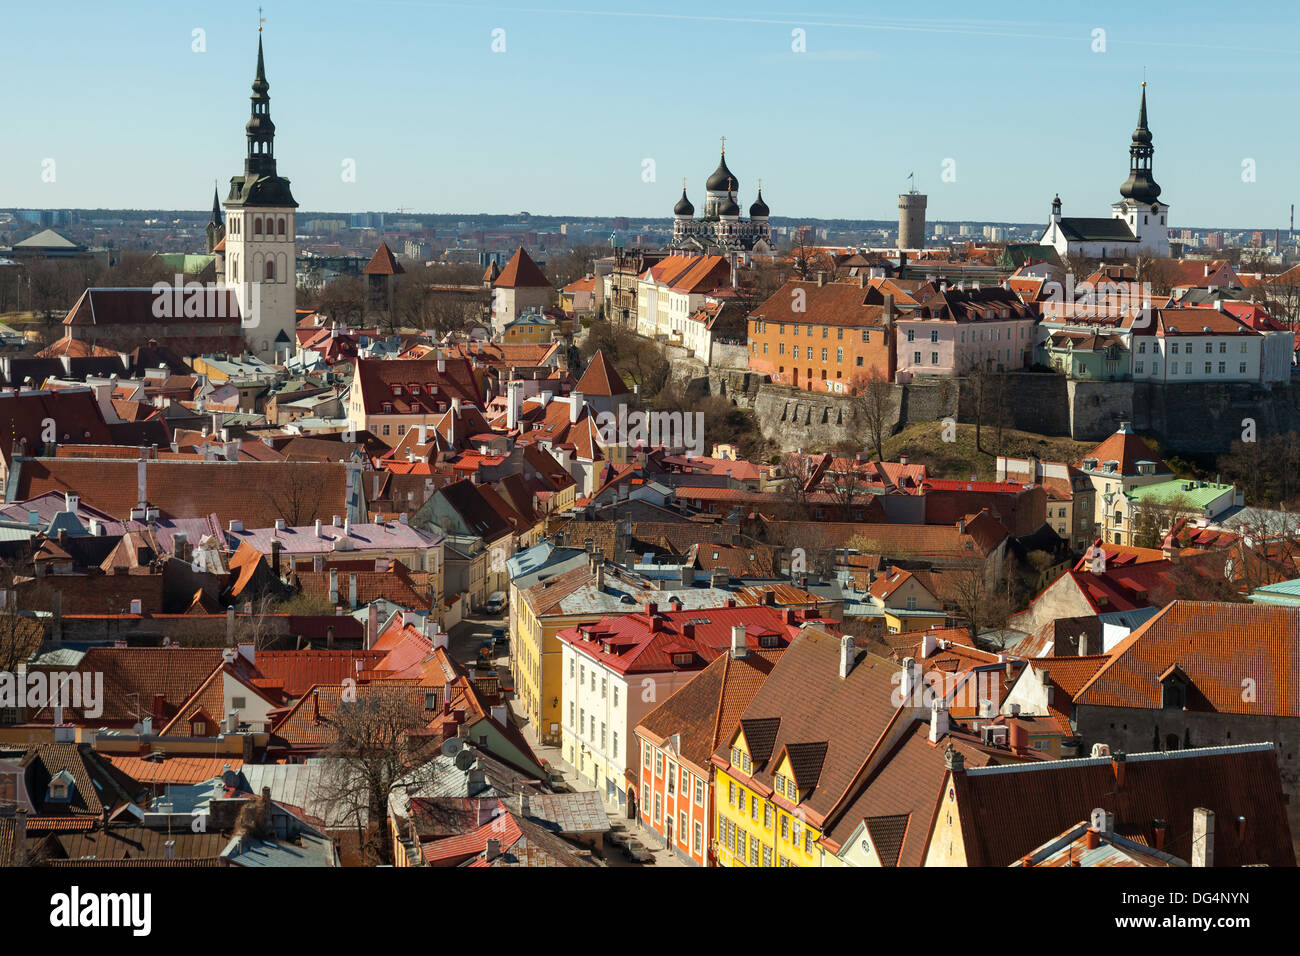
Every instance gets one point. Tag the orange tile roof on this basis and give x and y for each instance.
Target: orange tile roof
(521, 272)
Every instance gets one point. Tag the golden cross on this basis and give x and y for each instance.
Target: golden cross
(724, 146)
(260, 19)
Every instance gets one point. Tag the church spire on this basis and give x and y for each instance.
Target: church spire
(216, 207)
(1141, 185)
(260, 129)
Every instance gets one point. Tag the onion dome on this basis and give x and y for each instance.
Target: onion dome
(759, 209)
(722, 178)
(683, 207)
(728, 206)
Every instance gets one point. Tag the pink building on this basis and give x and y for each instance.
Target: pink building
(962, 329)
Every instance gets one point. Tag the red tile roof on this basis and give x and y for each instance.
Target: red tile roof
(383, 263)
(521, 272)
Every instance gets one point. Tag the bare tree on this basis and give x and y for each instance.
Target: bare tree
(373, 752)
(873, 408)
(295, 493)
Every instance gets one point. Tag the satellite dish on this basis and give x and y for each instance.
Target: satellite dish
(452, 746)
(465, 760)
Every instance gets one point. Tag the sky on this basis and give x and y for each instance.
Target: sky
(592, 107)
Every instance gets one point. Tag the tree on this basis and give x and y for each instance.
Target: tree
(978, 602)
(295, 493)
(874, 409)
(373, 753)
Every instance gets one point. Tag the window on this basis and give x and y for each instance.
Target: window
(839, 333)
(1208, 367)
(659, 764)
(681, 827)
(602, 688)
(1222, 367)
(866, 335)
(615, 695)
(934, 335)
(823, 355)
(270, 270)
(645, 754)
(796, 351)
(571, 666)
(658, 807)
(1242, 368)
(753, 851)
(767, 816)
(1137, 367)
(698, 841)
(767, 856)
(1209, 348)
(582, 719)
(699, 792)
(731, 793)
(779, 782)
(825, 331)
(1223, 347)
(859, 362)
(785, 827)
(839, 356)
(911, 335)
(934, 358)
(238, 703)
(916, 358)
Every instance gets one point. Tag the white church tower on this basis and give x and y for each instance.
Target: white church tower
(1140, 208)
(260, 254)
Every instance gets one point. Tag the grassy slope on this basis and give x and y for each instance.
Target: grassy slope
(924, 444)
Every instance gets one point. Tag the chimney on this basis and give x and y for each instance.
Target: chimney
(1161, 830)
(372, 626)
(329, 637)
(821, 278)
(1202, 837)
(739, 648)
(493, 845)
(575, 406)
(352, 590)
(334, 585)
(318, 525)
(275, 558)
(910, 684)
(938, 720)
(1117, 762)
(929, 644)
(230, 626)
(499, 714)
(954, 761)
(848, 653)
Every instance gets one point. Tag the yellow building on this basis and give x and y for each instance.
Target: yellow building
(790, 770)
(531, 328)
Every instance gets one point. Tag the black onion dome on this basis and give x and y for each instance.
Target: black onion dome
(722, 178)
(759, 209)
(683, 207)
(729, 206)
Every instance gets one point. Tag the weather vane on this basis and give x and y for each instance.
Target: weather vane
(260, 19)
(724, 146)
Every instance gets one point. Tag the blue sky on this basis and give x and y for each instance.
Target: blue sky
(564, 119)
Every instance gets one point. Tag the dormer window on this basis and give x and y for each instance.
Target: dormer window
(397, 390)
(683, 660)
(415, 390)
(60, 787)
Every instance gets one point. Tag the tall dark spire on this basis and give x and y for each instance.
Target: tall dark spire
(260, 129)
(216, 207)
(1141, 185)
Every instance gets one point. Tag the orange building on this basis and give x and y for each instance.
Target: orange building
(824, 336)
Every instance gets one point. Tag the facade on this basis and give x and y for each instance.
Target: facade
(389, 398)
(959, 331)
(1138, 224)
(616, 670)
(824, 336)
(1142, 517)
(1071, 498)
(260, 226)
(1118, 465)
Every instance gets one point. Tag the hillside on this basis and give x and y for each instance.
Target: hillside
(923, 444)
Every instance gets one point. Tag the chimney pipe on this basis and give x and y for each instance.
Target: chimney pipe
(1202, 837)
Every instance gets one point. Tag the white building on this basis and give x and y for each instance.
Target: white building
(1138, 223)
(260, 258)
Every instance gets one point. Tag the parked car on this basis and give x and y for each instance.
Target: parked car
(500, 637)
(496, 602)
(635, 852)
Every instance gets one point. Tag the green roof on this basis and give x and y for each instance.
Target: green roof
(186, 263)
(1284, 592)
(1198, 494)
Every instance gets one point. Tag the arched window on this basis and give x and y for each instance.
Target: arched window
(257, 225)
(270, 269)
(280, 230)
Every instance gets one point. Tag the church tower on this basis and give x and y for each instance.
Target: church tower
(216, 230)
(260, 255)
(1140, 208)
